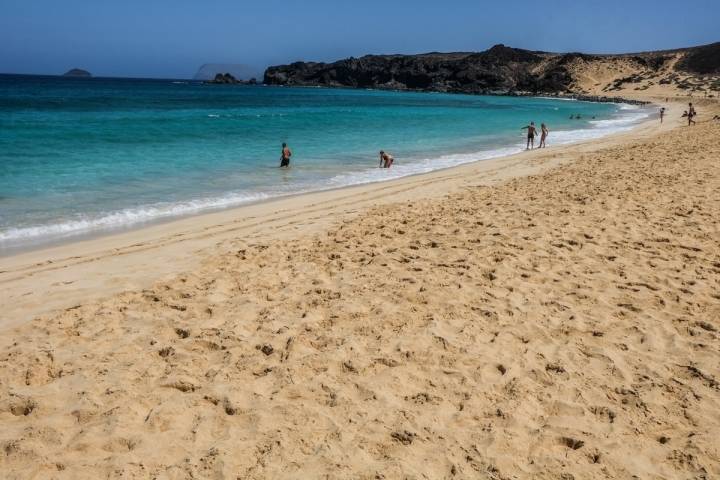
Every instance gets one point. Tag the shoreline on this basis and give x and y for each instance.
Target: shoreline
(28, 244)
(63, 275)
(536, 316)
(580, 97)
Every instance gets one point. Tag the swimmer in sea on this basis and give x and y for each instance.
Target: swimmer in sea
(285, 155)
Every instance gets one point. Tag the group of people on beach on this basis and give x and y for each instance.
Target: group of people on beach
(387, 160)
(690, 114)
(532, 132)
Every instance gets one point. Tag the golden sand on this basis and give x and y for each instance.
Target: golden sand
(557, 323)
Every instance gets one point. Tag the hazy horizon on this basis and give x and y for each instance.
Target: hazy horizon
(173, 39)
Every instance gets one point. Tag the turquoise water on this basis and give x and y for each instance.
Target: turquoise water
(87, 156)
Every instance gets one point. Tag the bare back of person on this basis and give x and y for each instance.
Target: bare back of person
(386, 160)
(285, 155)
(531, 133)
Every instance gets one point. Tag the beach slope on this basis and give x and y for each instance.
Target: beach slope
(559, 325)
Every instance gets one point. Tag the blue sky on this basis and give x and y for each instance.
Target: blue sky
(164, 38)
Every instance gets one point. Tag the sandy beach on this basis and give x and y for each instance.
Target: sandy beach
(553, 314)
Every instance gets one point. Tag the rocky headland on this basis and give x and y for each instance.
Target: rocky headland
(506, 70)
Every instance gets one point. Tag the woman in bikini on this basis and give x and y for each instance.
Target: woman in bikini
(543, 135)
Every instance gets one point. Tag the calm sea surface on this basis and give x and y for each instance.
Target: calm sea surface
(87, 156)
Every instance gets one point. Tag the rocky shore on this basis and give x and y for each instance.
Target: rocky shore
(604, 99)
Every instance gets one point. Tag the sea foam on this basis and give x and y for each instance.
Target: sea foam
(127, 217)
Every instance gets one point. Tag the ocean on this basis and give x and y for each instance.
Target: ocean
(85, 157)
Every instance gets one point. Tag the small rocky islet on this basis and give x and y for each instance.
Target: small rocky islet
(78, 73)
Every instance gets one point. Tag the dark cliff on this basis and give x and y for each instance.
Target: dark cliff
(499, 69)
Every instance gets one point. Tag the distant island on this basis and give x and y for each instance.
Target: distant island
(239, 71)
(77, 72)
(228, 79)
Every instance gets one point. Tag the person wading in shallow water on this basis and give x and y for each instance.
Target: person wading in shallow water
(543, 135)
(386, 160)
(285, 156)
(532, 131)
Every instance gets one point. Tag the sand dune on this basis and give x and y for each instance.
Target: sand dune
(558, 325)
(625, 76)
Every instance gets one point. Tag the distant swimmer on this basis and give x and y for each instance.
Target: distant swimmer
(572, 117)
(285, 156)
(386, 160)
(531, 132)
(543, 135)
(662, 114)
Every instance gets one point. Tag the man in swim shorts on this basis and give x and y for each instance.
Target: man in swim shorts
(285, 156)
(532, 131)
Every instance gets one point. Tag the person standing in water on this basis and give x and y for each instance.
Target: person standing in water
(285, 155)
(386, 160)
(532, 131)
(543, 135)
(662, 114)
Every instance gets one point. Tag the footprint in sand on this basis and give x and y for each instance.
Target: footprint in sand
(20, 406)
